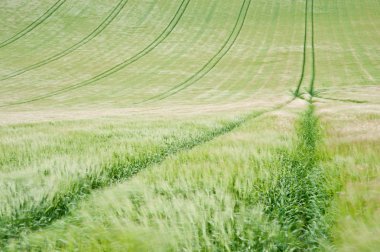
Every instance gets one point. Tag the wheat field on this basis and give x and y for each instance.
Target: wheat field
(190, 125)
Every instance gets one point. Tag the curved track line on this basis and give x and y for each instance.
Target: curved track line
(227, 85)
(268, 43)
(34, 24)
(259, 52)
(296, 92)
(213, 61)
(312, 81)
(103, 25)
(311, 90)
(341, 100)
(168, 30)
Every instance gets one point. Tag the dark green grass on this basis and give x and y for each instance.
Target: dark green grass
(297, 197)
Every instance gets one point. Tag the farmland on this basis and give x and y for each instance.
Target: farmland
(190, 125)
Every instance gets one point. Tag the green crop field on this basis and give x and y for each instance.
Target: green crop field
(190, 125)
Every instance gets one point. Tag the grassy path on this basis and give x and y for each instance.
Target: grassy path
(103, 25)
(33, 25)
(297, 195)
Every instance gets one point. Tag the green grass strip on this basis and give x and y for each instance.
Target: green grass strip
(297, 197)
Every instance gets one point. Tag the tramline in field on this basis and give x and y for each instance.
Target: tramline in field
(189, 125)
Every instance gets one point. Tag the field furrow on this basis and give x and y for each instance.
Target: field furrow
(103, 25)
(213, 61)
(118, 67)
(297, 91)
(34, 24)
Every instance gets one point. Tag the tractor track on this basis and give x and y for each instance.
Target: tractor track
(341, 100)
(34, 24)
(296, 93)
(260, 51)
(167, 31)
(313, 67)
(310, 90)
(212, 62)
(102, 26)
